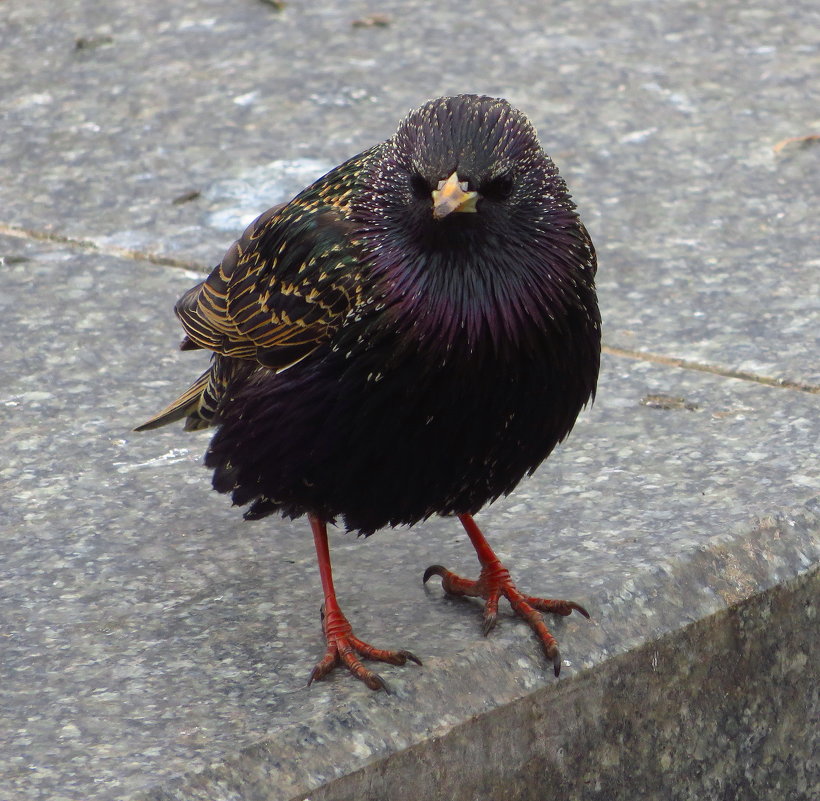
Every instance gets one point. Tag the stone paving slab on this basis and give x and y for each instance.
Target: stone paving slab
(159, 127)
(148, 633)
(720, 709)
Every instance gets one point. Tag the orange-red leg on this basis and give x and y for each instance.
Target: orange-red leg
(493, 582)
(343, 647)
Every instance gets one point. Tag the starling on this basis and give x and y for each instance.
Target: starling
(411, 335)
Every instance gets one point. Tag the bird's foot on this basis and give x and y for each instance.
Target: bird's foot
(493, 582)
(343, 647)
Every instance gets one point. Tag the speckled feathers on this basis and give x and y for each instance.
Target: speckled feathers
(375, 364)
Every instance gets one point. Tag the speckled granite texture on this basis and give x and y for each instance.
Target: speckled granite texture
(155, 646)
(720, 710)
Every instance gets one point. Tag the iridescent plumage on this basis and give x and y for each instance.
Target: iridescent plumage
(377, 360)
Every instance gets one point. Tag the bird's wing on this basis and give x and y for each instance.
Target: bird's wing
(281, 290)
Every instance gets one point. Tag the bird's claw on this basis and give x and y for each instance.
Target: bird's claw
(490, 612)
(433, 570)
(489, 623)
(344, 648)
(494, 582)
(554, 655)
(554, 607)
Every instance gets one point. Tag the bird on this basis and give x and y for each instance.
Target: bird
(411, 335)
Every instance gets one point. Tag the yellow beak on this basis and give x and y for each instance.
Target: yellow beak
(452, 195)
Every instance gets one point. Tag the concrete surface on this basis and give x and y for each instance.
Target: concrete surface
(155, 646)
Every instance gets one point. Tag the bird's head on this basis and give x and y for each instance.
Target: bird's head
(469, 229)
(458, 168)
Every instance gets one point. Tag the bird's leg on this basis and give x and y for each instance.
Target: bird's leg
(493, 582)
(342, 645)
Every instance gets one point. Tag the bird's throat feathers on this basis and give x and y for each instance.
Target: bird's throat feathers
(479, 296)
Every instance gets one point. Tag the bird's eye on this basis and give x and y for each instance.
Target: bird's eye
(498, 188)
(420, 188)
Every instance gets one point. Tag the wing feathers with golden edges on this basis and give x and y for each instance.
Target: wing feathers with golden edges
(281, 290)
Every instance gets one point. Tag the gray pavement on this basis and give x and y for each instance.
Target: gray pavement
(153, 645)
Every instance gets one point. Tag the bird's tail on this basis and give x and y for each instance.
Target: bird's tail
(197, 403)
